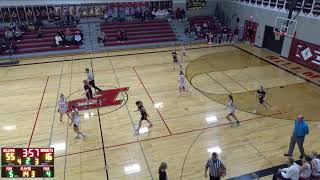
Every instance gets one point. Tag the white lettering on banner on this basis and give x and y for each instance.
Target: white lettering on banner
(318, 58)
(316, 62)
(306, 54)
(317, 52)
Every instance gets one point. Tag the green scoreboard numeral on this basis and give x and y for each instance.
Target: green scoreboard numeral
(10, 174)
(28, 160)
(48, 173)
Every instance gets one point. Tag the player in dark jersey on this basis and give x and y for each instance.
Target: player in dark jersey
(144, 115)
(175, 61)
(88, 92)
(261, 94)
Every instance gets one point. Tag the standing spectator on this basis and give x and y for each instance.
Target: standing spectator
(12, 48)
(224, 34)
(290, 173)
(216, 168)
(300, 130)
(241, 31)
(305, 169)
(162, 171)
(124, 36)
(17, 34)
(183, 14)
(236, 34)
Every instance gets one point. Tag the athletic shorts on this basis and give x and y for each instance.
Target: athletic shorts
(144, 117)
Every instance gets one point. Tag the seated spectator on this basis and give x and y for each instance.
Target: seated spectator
(69, 39)
(12, 25)
(24, 26)
(67, 31)
(61, 33)
(12, 48)
(38, 23)
(178, 13)
(78, 38)
(124, 36)
(31, 27)
(187, 31)
(40, 32)
(14, 16)
(305, 169)
(58, 40)
(3, 45)
(119, 37)
(102, 37)
(205, 26)
(8, 34)
(290, 173)
(198, 30)
(315, 166)
(17, 34)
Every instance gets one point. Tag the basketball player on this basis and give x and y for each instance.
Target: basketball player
(63, 107)
(175, 59)
(232, 109)
(183, 53)
(91, 80)
(75, 120)
(182, 83)
(261, 94)
(144, 115)
(88, 92)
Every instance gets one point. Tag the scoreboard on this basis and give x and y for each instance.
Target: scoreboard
(27, 162)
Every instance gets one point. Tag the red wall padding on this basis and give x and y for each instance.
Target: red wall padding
(312, 55)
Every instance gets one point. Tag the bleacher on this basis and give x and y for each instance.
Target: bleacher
(30, 42)
(201, 19)
(139, 32)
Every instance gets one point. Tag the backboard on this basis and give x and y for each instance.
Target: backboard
(285, 26)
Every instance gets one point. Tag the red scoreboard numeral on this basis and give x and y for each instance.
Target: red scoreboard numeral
(30, 152)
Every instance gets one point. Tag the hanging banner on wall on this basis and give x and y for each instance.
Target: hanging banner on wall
(196, 4)
(305, 53)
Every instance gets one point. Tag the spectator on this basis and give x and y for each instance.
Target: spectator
(241, 31)
(205, 26)
(119, 37)
(12, 26)
(61, 33)
(102, 37)
(183, 14)
(69, 39)
(236, 34)
(290, 173)
(216, 168)
(14, 16)
(78, 38)
(124, 36)
(305, 169)
(224, 34)
(58, 39)
(31, 27)
(8, 34)
(198, 30)
(17, 34)
(40, 32)
(178, 13)
(315, 166)
(12, 48)
(162, 171)
(187, 31)
(300, 130)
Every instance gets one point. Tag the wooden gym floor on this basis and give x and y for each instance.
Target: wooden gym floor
(186, 129)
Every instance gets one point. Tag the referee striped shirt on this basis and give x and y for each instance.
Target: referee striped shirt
(214, 167)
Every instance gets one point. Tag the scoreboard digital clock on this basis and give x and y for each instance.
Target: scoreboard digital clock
(27, 162)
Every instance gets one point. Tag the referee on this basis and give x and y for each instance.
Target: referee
(91, 80)
(216, 168)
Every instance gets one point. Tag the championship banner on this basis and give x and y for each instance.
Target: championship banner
(196, 4)
(305, 53)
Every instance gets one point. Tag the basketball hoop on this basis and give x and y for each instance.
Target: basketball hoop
(277, 35)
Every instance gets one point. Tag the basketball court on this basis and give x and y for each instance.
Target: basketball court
(186, 129)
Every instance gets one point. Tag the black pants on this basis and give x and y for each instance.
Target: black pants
(94, 85)
(214, 178)
(299, 141)
(278, 175)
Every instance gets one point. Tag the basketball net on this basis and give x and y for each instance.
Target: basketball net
(277, 35)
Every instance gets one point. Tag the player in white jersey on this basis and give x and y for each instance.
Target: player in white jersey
(182, 83)
(75, 120)
(232, 109)
(63, 107)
